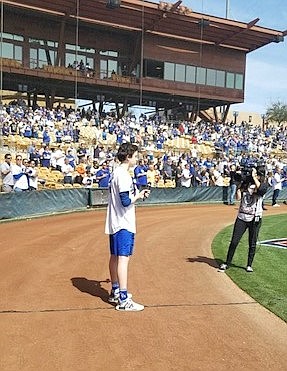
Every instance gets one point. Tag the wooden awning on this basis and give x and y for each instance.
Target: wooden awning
(171, 20)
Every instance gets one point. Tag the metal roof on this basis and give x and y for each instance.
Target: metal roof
(172, 20)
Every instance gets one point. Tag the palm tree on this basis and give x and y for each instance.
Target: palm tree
(277, 112)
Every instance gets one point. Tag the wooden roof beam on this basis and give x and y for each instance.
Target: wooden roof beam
(109, 24)
(198, 41)
(36, 8)
(248, 27)
(175, 5)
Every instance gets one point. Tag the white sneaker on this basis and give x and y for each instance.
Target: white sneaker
(115, 297)
(129, 306)
(276, 205)
(222, 268)
(249, 269)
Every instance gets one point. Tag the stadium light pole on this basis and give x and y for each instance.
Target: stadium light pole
(235, 115)
(227, 8)
(77, 46)
(1, 53)
(263, 116)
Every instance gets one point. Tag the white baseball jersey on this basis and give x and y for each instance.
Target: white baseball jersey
(118, 216)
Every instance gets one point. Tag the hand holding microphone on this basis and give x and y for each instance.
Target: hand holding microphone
(146, 192)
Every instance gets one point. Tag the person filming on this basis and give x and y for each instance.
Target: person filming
(250, 194)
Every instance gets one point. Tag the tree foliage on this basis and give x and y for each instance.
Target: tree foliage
(277, 112)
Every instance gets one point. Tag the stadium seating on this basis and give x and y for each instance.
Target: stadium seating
(77, 185)
(169, 184)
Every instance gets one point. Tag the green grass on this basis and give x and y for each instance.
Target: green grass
(268, 283)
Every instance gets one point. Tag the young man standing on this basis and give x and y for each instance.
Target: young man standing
(121, 226)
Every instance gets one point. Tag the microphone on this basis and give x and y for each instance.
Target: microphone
(148, 187)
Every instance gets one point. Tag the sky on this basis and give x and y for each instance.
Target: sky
(266, 68)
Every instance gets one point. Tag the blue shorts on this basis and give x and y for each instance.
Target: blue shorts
(122, 243)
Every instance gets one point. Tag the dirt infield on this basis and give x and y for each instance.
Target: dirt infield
(54, 313)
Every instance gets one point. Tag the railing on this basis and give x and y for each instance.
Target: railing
(66, 71)
(7, 62)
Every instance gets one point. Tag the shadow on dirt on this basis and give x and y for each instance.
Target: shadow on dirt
(91, 287)
(203, 259)
(214, 263)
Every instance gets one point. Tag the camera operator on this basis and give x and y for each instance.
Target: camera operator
(250, 194)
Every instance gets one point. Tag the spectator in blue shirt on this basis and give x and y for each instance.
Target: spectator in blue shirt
(140, 173)
(46, 136)
(103, 176)
(71, 157)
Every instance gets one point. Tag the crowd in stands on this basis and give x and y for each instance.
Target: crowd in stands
(79, 148)
(84, 68)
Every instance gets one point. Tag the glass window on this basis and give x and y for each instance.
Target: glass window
(53, 44)
(52, 56)
(109, 53)
(12, 37)
(81, 58)
(103, 69)
(90, 62)
(36, 42)
(230, 80)
(220, 79)
(33, 58)
(106, 68)
(7, 50)
(201, 75)
(154, 69)
(42, 57)
(87, 50)
(180, 72)
(112, 66)
(80, 47)
(18, 53)
(190, 74)
(239, 81)
(169, 71)
(210, 77)
(137, 71)
(70, 47)
(38, 57)
(7, 35)
(69, 59)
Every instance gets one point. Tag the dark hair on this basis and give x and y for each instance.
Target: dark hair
(7, 155)
(126, 150)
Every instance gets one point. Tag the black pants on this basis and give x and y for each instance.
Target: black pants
(239, 229)
(275, 196)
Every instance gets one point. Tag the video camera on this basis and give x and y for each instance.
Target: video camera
(246, 171)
